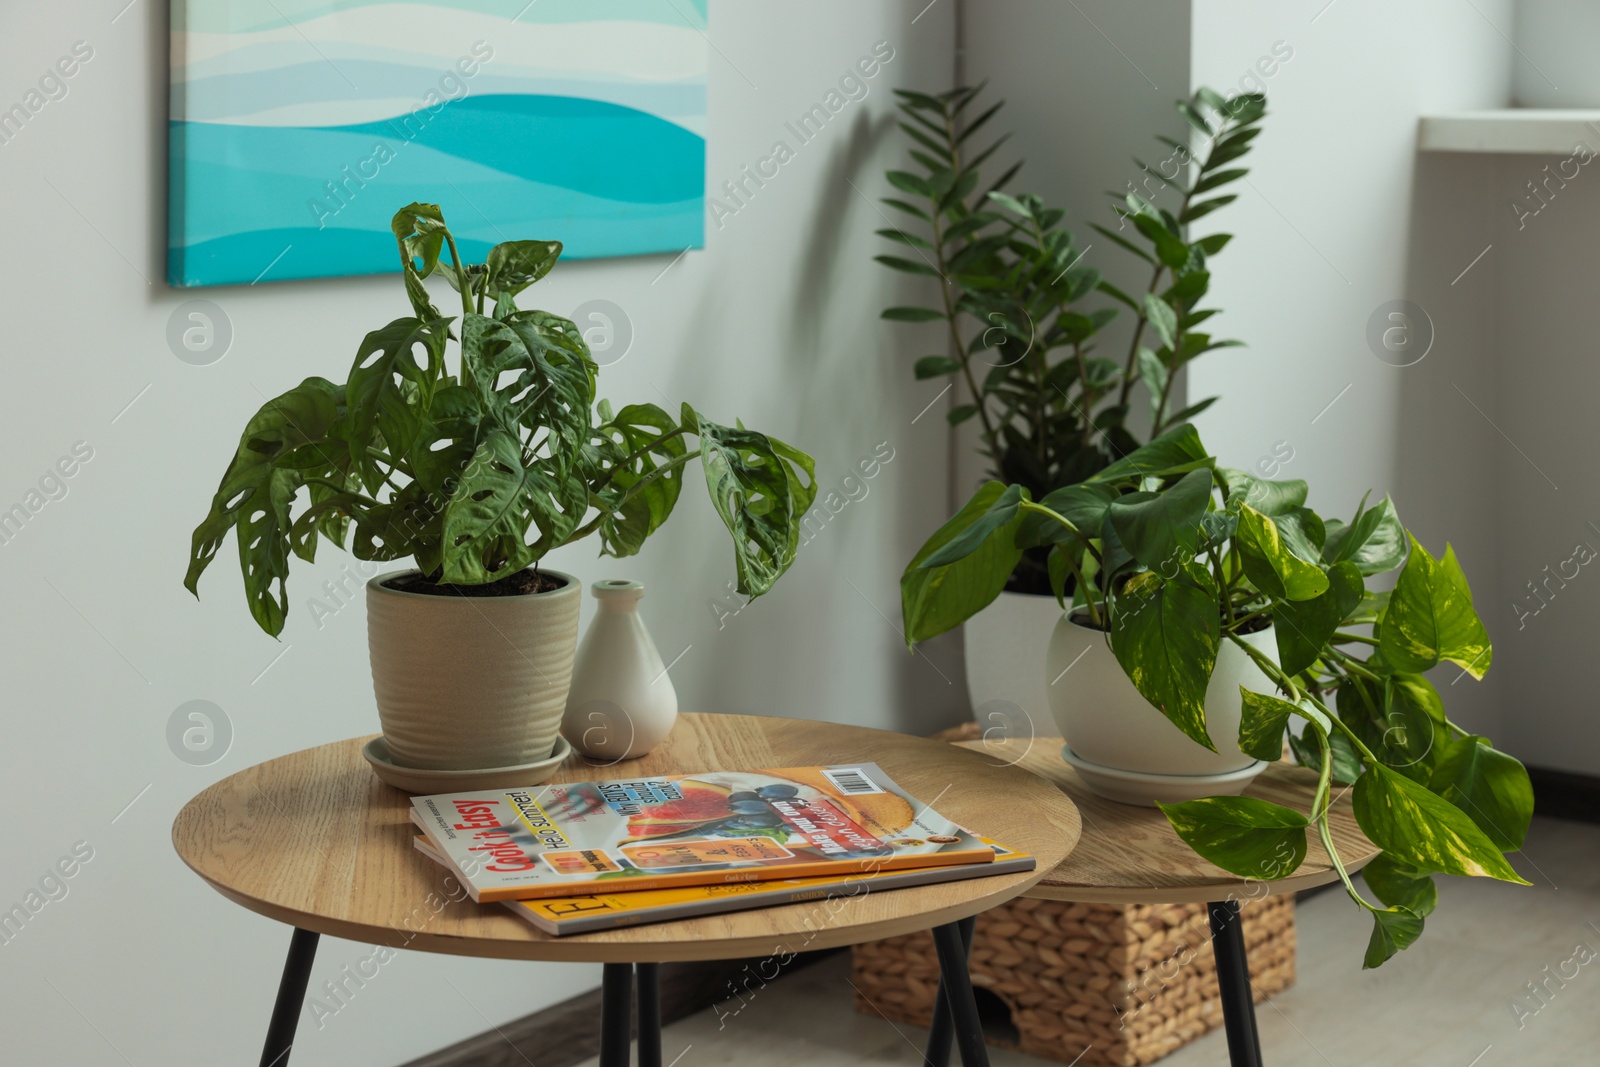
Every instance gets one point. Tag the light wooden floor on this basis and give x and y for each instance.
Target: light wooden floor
(1445, 1002)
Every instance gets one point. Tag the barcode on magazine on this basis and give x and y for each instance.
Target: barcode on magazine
(851, 781)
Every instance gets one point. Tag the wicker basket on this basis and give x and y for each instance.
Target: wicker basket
(1099, 985)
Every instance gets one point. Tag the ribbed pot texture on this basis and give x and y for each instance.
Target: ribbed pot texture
(465, 683)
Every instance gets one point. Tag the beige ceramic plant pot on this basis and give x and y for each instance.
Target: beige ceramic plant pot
(471, 682)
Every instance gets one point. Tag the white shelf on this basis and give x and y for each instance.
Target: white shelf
(1511, 130)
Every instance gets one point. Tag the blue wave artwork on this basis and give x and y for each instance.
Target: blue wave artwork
(298, 127)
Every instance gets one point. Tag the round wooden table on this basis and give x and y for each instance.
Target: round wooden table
(312, 839)
(1131, 855)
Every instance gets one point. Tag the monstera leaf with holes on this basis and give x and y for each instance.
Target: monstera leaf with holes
(477, 468)
(1174, 556)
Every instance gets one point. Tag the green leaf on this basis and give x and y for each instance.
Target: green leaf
(1195, 212)
(637, 447)
(1399, 884)
(1267, 497)
(1002, 514)
(1153, 373)
(512, 266)
(1165, 634)
(1176, 451)
(1243, 835)
(1375, 541)
(1270, 565)
(1262, 722)
(1162, 530)
(554, 388)
(1393, 930)
(390, 388)
(909, 209)
(1215, 180)
(1162, 319)
(497, 500)
(1303, 627)
(1012, 204)
(911, 314)
(1415, 732)
(1347, 765)
(254, 495)
(1058, 569)
(935, 600)
(1084, 505)
(1431, 618)
(906, 265)
(1192, 410)
(1190, 112)
(907, 182)
(760, 487)
(1490, 786)
(1117, 239)
(935, 367)
(419, 232)
(1303, 533)
(960, 413)
(1422, 829)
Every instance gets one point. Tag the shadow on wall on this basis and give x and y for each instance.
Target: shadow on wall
(1445, 343)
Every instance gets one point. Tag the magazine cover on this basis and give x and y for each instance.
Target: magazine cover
(693, 829)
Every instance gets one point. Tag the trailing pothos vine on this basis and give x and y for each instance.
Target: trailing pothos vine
(477, 471)
(1170, 555)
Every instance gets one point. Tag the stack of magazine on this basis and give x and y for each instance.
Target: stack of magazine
(584, 856)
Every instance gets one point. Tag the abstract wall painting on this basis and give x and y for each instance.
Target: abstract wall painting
(298, 127)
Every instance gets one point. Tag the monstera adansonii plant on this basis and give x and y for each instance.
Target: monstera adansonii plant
(477, 467)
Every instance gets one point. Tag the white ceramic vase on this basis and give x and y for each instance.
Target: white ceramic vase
(1005, 647)
(1126, 749)
(622, 702)
(465, 683)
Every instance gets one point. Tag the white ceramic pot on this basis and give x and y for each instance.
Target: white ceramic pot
(471, 682)
(1106, 723)
(1005, 646)
(622, 702)
(1554, 64)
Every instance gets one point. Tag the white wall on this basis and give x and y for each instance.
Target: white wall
(1338, 218)
(1545, 383)
(1087, 86)
(775, 322)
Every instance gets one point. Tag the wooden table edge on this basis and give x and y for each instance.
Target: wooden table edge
(577, 948)
(1243, 889)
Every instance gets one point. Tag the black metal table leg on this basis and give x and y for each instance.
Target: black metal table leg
(1233, 982)
(649, 977)
(291, 997)
(940, 1033)
(957, 985)
(616, 1010)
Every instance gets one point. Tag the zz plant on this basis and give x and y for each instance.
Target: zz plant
(1172, 556)
(1015, 295)
(477, 471)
